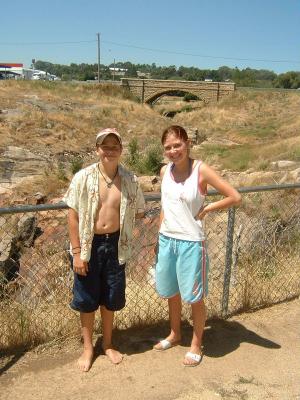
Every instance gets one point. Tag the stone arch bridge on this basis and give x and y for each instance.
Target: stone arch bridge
(150, 90)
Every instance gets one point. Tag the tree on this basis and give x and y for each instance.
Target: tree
(225, 73)
(288, 80)
(245, 77)
(131, 71)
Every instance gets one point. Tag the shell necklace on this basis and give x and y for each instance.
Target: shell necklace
(108, 184)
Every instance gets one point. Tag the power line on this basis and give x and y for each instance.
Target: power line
(43, 43)
(149, 49)
(200, 55)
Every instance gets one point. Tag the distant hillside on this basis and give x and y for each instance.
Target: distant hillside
(56, 117)
(52, 125)
(265, 125)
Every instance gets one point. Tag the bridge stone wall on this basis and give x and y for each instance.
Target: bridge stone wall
(149, 90)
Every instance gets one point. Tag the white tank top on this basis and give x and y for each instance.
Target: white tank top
(180, 204)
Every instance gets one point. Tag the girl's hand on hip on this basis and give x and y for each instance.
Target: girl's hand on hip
(201, 214)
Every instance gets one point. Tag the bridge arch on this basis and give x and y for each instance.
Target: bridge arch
(148, 90)
(154, 98)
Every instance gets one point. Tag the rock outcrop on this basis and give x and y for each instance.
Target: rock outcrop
(149, 183)
(17, 164)
(13, 241)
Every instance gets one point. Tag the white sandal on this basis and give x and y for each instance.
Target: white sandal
(196, 358)
(164, 345)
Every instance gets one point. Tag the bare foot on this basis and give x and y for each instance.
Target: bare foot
(114, 355)
(85, 361)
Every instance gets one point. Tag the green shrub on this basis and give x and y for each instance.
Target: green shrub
(189, 97)
(151, 162)
(76, 164)
(148, 163)
(187, 108)
(61, 173)
(133, 156)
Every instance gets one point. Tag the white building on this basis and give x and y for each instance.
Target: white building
(17, 71)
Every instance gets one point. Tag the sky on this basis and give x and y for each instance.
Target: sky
(260, 34)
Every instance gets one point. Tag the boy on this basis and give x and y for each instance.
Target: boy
(104, 200)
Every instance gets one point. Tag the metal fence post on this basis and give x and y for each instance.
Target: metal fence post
(228, 260)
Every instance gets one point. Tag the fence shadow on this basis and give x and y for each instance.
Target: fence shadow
(223, 337)
(8, 359)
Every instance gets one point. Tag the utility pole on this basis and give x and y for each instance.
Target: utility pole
(114, 69)
(98, 37)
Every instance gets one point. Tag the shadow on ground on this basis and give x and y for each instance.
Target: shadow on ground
(9, 358)
(223, 337)
(220, 338)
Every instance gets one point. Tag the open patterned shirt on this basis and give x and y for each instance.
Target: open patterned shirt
(83, 196)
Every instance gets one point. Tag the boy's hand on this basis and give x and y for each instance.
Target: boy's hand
(80, 267)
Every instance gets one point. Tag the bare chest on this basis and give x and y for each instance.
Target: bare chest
(110, 195)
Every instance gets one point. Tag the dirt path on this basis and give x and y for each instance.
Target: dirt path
(251, 356)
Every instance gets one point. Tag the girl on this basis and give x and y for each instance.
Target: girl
(182, 262)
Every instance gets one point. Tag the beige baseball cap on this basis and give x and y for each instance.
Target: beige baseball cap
(105, 132)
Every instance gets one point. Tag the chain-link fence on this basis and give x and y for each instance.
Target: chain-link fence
(254, 261)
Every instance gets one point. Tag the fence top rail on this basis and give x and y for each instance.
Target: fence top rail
(148, 197)
(265, 188)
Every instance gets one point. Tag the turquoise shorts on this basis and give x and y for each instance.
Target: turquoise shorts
(182, 267)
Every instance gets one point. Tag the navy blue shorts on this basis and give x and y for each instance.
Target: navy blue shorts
(104, 284)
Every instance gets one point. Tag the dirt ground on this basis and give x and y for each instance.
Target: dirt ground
(250, 356)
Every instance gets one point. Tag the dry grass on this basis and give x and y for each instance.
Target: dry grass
(264, 281)
(62, 117)
(59, 121)
(265, 125)
(34, 308)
